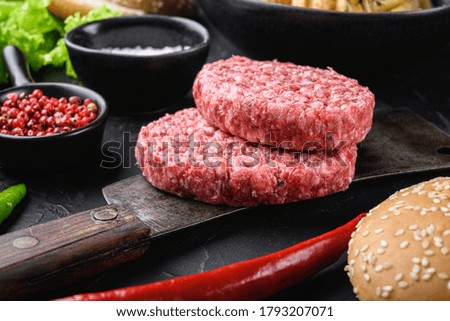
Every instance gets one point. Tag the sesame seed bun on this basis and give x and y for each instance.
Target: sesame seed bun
(400, 249)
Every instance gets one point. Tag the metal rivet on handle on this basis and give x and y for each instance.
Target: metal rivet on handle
(108, 214)
(25, 242)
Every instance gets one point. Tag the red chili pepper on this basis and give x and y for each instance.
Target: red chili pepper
(248, 280)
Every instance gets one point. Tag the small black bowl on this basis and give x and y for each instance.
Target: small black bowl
(135, 83)
(350, 41)
(55, 151)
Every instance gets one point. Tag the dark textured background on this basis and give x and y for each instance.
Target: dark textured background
(423, 87)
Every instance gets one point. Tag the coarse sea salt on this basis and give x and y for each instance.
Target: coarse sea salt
(144, 51)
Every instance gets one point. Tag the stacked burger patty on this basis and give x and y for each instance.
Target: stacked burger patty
(263, 132)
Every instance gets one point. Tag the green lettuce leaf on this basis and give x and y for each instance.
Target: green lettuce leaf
(60, 53)
(28, 25)
(6, 6)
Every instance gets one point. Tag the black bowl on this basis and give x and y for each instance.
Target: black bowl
(133, 83)
(351, 41)
(55, 151)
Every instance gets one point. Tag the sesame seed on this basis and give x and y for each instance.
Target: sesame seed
(426, 277)
(356, 253)
(384, 243)
(371, 259)
(399, 232)
(355, 290)
(430, 270)
(431, 228)
(378, 268)
(397, 212)
(437, 241)
(365, 233)
(363, 268)
(415, 268)
(387, 288)
(414, 276)
(387, 265)
(385, 294)
(413, 227)
(424, 262)
(425, 244)
(402, 284)
(415, 260)
(447, 214)
(436, 201)
(392, 209)
(423, 212)
(442, 275)
(398, 277)
(444, 209)
(423, 233)
(378, 231)
(405, 194)
(404, 244)
(351, 262)
(433, 208)
(365, 247)
(380, 251)
(448, 285)
(410, 207)
(351, 271)
(378, 291)
(421, 192)
(367, 277)
(446, 233)
(444, 250)
(429, 252)
(417, 237)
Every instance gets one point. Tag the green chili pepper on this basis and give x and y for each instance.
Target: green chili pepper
(9, 199)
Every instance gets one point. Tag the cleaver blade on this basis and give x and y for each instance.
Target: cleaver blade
(162, 212)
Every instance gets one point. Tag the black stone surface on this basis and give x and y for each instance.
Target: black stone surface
(423, 87)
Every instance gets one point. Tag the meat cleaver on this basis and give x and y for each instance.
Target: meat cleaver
(54, 254)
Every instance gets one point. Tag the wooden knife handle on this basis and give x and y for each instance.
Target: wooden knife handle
(52, 255)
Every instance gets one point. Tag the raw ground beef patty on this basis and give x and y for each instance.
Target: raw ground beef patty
(181, 154)
(282, 103)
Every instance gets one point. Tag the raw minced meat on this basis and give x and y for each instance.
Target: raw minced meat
(283, 104)
(184, 155)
